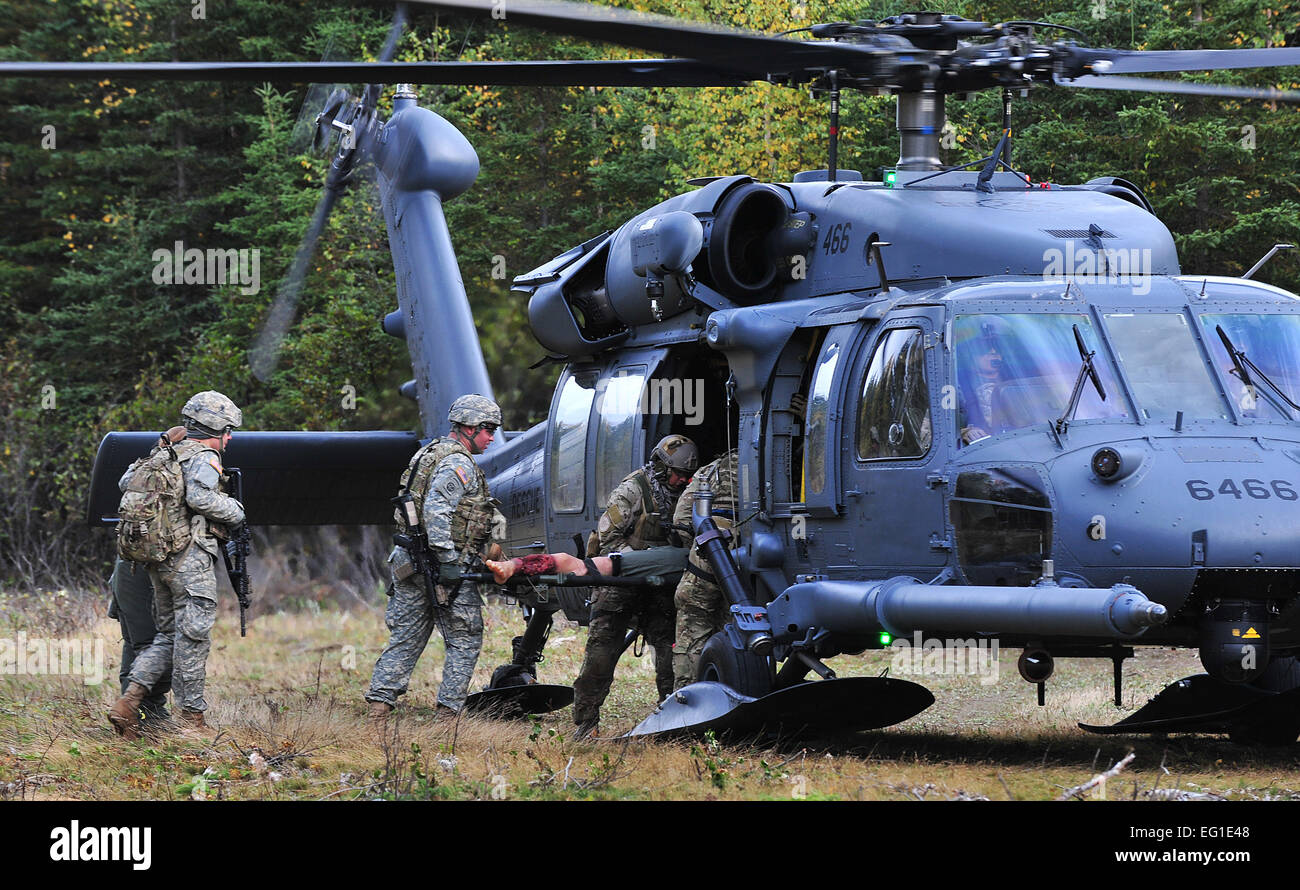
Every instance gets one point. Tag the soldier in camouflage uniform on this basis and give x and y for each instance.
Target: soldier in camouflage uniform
(185, 583)
(638, 517)
(451, 498)
(702, 607)
(131, 603)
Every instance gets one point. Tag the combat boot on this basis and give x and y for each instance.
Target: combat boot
(125, 714)
(192, 723)
(444, 714)
(378, 720)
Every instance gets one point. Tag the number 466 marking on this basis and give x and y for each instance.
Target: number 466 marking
(1254, 488)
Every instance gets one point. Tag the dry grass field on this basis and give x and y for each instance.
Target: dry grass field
(288, 702)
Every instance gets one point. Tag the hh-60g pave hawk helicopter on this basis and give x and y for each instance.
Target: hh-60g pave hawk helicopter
(965, 404)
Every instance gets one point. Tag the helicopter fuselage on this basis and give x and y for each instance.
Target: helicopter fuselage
(854, 402)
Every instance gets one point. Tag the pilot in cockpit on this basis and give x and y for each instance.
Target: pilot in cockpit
(982, 374)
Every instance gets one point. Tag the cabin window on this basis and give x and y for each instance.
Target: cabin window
(818, 416)
(620, 407)
(1164, 365)
(894, 410)
(569, 443)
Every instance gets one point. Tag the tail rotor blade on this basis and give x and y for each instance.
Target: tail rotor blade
(265, 353)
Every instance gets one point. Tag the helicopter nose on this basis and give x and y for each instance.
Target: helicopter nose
(1209, 503)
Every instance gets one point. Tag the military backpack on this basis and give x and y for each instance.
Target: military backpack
(154, 521)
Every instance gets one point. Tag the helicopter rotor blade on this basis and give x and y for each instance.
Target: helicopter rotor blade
(723, 46)
(1120, 61)
(1155, 85)
(614, 73)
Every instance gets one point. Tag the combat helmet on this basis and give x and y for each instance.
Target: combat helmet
(474, 409)
(675, 452)
(211, 414)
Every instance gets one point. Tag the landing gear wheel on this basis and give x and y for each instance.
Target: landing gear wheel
(743, 671)
(1281, 675)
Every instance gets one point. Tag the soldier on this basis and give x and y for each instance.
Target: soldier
(702, 608)
(185, 582)
(131, 603)
(450, 496)
(638, 517)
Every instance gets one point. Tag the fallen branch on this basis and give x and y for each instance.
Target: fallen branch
(1099, 779)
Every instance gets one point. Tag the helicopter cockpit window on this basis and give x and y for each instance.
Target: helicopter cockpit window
(894, 411)
(1164, 365)
(1272, 343)
(620, 406)
(569, 443)
(818, 408)
(1015, 371)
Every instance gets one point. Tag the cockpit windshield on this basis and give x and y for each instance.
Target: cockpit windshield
(1015, 371)
(1272, 343)
(1164, 366)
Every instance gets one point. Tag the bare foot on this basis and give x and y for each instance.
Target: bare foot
(502, 570)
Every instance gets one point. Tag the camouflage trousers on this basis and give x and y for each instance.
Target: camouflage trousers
(185, 608)
(702, 610)
(613, 611)
(411, 619)
(132, 606)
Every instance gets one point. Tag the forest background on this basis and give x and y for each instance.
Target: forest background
(97, 177)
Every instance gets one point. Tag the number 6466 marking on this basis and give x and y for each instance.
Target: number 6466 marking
(1253, 488)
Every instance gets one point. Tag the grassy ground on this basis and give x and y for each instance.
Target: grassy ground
(288, 702)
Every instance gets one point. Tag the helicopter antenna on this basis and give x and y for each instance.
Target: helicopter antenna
(730, 388)
(835, 126)
(1268, 256)
(986, 175)
(1006, 124)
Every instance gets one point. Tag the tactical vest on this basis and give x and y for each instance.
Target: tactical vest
(651, 527)
(471, 523)
(722, 482)
(155, 521)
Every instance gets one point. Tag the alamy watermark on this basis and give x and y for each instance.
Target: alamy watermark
(1130, 266)
(625, 393)
(935, 657)
(181, 265)
(673, 395)
(39, 656)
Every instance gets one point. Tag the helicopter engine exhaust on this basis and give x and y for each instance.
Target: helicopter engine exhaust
(902, 605)
(740, 261)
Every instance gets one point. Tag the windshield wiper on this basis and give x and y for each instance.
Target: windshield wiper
(1240, 361)
(1086, 370)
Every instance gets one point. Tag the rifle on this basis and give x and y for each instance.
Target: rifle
(235, 553)
(416, 543)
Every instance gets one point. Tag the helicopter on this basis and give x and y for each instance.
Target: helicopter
(964, 403)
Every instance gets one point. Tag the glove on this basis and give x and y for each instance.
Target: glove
(449, 573)
(237, 532)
